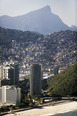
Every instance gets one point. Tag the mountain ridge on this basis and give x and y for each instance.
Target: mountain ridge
(42, 21)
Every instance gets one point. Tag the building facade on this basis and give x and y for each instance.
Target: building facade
(35, 79)
(9, 72)
(10, 95)
(56, 70)
(1, 71)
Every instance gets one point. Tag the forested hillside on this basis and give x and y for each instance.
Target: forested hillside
(65, 83)
(7, 35)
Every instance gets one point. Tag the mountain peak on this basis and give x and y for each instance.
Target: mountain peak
(42, 20)
(46, 8)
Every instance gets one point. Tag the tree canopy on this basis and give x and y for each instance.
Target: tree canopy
(65, 83)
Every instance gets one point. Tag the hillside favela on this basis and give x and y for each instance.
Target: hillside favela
(38, 59)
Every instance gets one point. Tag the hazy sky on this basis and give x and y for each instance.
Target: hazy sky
(65, 9)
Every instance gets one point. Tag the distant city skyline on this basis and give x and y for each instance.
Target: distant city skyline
(65, 9)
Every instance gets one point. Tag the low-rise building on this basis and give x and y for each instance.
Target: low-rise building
(10, 95)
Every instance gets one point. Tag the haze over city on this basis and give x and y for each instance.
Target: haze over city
(65, 9)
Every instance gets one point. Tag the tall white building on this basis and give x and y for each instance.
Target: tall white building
(10, 95)
(5, 72)
(1, 71)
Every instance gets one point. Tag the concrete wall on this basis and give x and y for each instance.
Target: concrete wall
(11, 96)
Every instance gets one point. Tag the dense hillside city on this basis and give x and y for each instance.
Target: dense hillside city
(53, 50)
